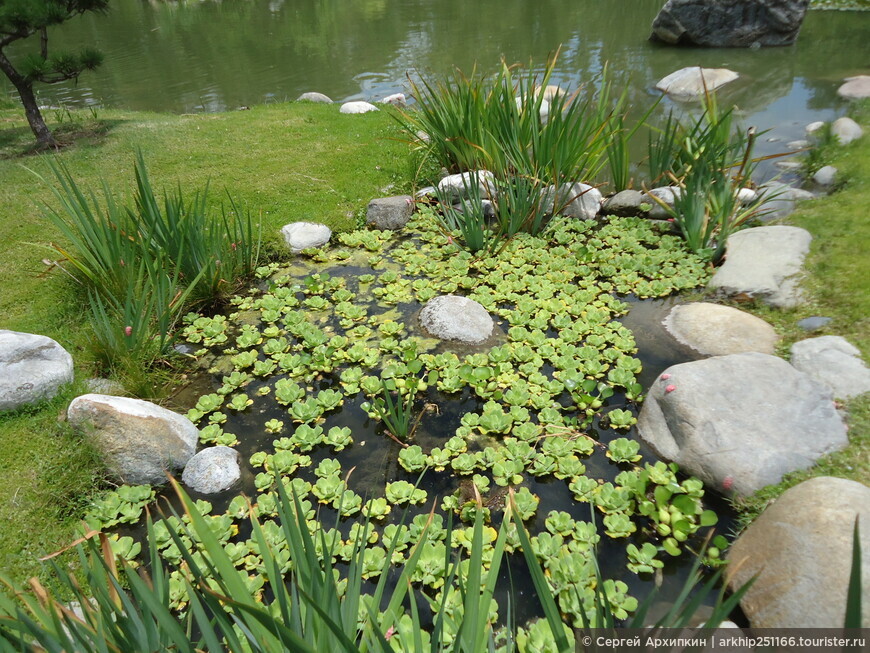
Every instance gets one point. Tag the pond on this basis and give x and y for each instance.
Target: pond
(187, 56)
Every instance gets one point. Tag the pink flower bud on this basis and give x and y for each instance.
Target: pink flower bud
(128, 331)
(670, 388)
(121, 261)
(727, 482)
(665, 377)
(449, 240)
(390, 632)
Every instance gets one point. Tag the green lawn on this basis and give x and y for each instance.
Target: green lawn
(284, 162)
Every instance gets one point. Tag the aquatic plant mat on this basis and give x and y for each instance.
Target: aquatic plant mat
(544, 406)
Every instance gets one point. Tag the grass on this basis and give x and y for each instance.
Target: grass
(836, 285)
(283, 162)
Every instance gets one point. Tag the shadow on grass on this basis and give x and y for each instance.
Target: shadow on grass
(18, 142)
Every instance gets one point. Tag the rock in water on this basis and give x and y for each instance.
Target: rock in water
(451, 317)
(855, 88)
(140, 440)
(32, 368)
(212, 470)
(390, 212)
(577, 200)
(835, 363)
(715, 330)
(801, 549)
(746, 417)
(729, 23)
(764, 262)
(302, 235)
(694, 82)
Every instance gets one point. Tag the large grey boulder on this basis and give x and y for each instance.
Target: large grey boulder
(846, 130)
(140, 440)
(694, 82)
(739, 422)
(576, 200)
(457, 186)
(855, 88)
(319, 98)
(835, 363)
(764, 263)
(357, 107)
(801, 549)
(390, 212)
(729, 23)
(715, 330)
(32, 368)
(302, 235)
(451, 317)
(212, 470)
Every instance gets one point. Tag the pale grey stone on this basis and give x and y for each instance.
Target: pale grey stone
(576, 200)
(798, 145)
(729, 24)
(693, 82)
(212, 470)
(456, 186)
(396, 99)
(747, 196)
(813, 323)
(789, 165)
(715, 330)
(302, 235)
(140, 440)
(855, 88)
(813, 127)
(625, 203)
(426, 191)
(666, 194)
(739, 422)
(320, 98)
(800, 548)
(451, 317)
(32, 368)
(390, 213)
(835, 363)
(764, 263)
(357, 107)
(846, 130)
(825, 175)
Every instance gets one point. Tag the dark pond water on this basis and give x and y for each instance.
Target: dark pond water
(210, 55)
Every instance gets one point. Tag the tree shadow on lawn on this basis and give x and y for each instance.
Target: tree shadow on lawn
(18, 141)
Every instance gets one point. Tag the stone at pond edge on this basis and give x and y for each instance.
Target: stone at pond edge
(451, 317)
(764, 263)
(749, 417)
(456, 186)
(140, 440)
(855, 88)
(835, 363)
(728, 23)
(390, 212)
(212, 470)
(715, 330)
(302, 235)
(825, 175)
(626, 203)
(32, 368)
(801, 549)
(575, 200)
(690, 83)
(357, 107)
(314, 97)
(846, 130)
(779, 200)
(666, 194)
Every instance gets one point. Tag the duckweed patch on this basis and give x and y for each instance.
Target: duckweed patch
(304, 359)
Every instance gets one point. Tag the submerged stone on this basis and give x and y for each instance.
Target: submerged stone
(693, 82)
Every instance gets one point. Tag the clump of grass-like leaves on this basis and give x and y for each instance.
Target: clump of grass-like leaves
(142, 266)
